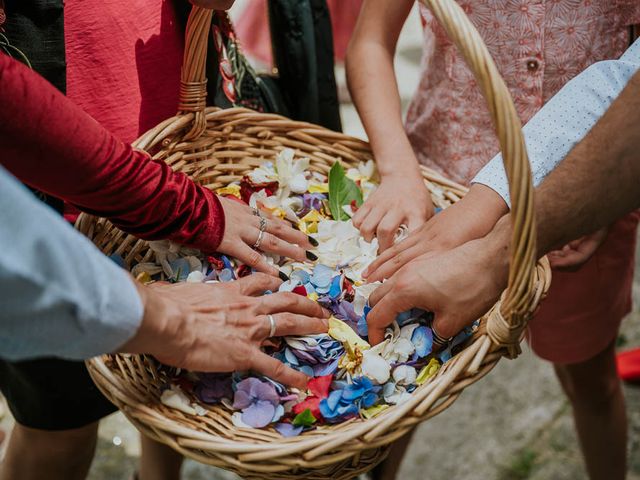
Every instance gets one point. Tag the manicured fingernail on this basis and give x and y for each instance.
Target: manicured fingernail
(313, 241)
(311, 256)
(283, 276)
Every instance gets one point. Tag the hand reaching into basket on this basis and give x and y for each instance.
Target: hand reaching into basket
(220, 327)
(246, 234)
(472, 217)
(576, 253)
(458, 286)
(401, 198)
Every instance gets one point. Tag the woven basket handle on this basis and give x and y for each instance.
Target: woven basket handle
(506, 325)
(193, 79)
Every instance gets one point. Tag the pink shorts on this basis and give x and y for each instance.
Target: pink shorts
(582, 313)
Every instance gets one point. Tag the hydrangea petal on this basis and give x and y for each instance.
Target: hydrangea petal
(288, 430)
(259, 414)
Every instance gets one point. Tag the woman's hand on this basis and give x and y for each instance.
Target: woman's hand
(401, 198)
(576, 253)
(220, 327)
(458, 286)
(242, 230)
(472, 217)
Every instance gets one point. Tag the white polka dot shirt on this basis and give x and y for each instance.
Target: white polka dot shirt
(566, 118)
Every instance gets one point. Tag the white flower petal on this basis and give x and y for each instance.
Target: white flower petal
(404, 375)
(176, 398)
(375, 367)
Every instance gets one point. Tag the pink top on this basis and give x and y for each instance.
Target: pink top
(123, 62)
(538, 46)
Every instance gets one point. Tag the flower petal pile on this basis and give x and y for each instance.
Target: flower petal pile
(349, 377)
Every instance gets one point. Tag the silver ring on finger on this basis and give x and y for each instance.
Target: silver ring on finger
(258, 240)
(263, 224)
(256, 212)
(401, 233)
(272, 326)
(438, 340)
(263, 227)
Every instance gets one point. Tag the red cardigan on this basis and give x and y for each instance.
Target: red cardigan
(52, 145)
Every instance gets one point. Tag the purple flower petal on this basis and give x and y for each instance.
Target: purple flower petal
(241, 400)
(322, 369)
(288, 430)
(263, 391)
(259, 414)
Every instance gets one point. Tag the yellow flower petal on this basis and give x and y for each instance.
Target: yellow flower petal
(373, 411)
(345, 334)
(313, 296)
(278, 212)
(318, 188)
(232, 189)
(428, 371)
(312, 216)
(144, 278)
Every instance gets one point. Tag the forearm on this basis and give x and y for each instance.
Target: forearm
(599, 181)
(373, 85)
(60, 296)
(54, 146)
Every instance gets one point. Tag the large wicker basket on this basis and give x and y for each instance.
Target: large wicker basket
(216, 147)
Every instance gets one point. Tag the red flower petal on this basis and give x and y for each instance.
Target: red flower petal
(312, 403)
(300, 290)
(319, 386)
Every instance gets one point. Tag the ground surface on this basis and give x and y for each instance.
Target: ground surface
(514, 424)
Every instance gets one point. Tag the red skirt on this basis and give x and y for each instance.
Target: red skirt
(582, 313)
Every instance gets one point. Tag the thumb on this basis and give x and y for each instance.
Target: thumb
(381, 316)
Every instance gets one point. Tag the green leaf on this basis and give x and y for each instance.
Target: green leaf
(304, 419)
(342, 191)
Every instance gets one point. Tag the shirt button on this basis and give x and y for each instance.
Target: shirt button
(532, 65)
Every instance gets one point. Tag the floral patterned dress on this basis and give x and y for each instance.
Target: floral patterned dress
(538, 46)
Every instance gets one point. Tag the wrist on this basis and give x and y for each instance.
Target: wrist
(496, 246)
(156, 313)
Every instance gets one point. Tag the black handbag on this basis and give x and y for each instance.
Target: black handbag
(303, 85)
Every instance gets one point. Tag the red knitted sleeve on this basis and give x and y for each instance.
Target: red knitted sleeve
(51, 144)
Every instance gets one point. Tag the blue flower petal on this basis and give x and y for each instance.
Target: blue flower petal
(368, 400)
(321, 276)
(334, 399)
(307, 370)
(336, 287)
(290, 357)
(422, 339)
(300, 276)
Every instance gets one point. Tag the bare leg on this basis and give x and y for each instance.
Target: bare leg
(36, 454)
(158, 462)
(596, 395)
(388, 469)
